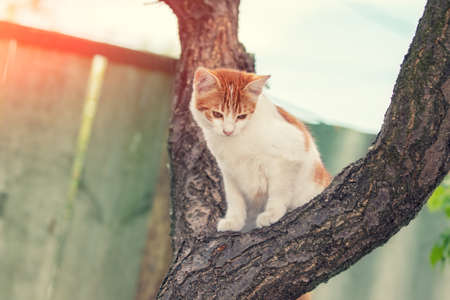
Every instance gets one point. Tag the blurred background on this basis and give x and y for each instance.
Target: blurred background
(85, 94)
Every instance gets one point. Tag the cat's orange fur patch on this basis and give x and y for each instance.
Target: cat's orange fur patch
(294, 121)
(321, 175)
(306, 296)
(229, 95)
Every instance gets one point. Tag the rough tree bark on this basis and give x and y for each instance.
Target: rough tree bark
(367, 203)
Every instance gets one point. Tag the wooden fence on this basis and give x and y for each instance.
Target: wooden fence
(88, 247)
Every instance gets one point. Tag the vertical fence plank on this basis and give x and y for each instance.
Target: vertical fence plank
(104, 247)
(339, 146)
(158, 251)
(93, 92)
(38, 105)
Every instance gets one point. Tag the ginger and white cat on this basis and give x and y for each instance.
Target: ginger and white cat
(267, 157)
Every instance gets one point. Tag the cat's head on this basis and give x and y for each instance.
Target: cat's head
(225, 99)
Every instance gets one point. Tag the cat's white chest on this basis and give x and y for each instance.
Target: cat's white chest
(245, 163)
(250, 176)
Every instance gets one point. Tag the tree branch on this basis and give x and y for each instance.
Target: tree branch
(367, 203)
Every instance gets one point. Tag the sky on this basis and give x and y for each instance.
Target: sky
(332, 60)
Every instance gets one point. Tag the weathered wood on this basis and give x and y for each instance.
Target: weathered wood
(37, 142)
(41, 99)
(121, 170)
(367, 203)
(157, 254)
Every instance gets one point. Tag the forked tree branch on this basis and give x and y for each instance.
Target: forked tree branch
(367, 203)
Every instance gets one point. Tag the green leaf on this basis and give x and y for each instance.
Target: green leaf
(436, 255)
(447, 211)
(436, 200)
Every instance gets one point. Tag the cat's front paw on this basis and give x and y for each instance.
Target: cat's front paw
(268, 217)
(230, 224)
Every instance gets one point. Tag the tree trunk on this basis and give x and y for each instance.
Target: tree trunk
(367, 203)
(208, 35)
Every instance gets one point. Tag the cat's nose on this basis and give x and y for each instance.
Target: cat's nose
(228, 133)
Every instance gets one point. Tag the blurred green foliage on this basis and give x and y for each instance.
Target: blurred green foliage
(440, 202)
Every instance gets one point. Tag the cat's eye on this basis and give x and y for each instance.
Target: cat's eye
(242, 117)
(217, 114)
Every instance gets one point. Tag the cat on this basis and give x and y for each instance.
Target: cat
(267, 157)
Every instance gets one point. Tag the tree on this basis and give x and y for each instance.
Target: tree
(367, 203)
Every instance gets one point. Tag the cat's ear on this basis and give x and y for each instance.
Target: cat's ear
(255, 87)
(205, 81)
